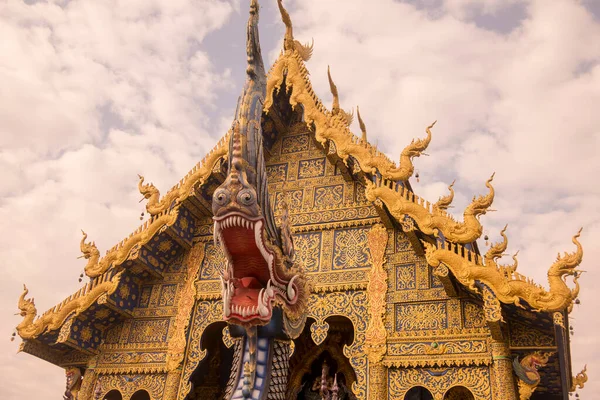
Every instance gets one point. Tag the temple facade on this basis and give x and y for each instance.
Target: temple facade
(296, 262)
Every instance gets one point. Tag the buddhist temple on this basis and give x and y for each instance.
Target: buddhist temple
(295, 261)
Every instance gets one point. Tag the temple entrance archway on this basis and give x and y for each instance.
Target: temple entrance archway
(113, 395)
(309, 358)
(418, 393)
(141, 395)
(210, 377)
(459, 393)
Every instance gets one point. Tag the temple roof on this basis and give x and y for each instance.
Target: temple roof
(449, 243)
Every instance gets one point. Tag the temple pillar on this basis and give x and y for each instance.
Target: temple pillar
(87, 385)
(172, 384)
(376, 335)
(503, 382)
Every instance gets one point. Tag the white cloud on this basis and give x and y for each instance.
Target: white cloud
(92, 93)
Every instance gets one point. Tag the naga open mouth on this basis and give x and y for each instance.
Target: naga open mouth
(250, 282)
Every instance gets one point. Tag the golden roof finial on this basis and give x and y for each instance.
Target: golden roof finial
(335, 108)
(497, 249)
(579, 380)
(361, 123)
(480, 205)
(304, 50)
(444, 202)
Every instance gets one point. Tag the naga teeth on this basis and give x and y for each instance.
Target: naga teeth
(291, 293)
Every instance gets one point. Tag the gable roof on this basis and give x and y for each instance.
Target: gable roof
(386, 184)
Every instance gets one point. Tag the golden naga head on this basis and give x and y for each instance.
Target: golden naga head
(148, 190)
(444, 202)
(417, 147)
(480, 205)
(566, 264)
(26, 306)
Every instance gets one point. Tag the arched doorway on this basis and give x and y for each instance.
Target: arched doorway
(113, 395)
(308, 360)
(418, 393)
(210, 377)
(459, 393)
(141, 395)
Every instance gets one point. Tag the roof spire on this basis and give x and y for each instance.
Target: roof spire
(361, 123)
(255, 61)
(304, 50)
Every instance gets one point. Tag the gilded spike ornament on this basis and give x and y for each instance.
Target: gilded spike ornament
(289, 43)
(511, 290)
(362, 125)
(400, 202)
(335, 108)
(496, 250)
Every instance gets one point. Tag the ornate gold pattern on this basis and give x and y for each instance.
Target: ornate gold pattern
(187, 299)
(465, 268)
(31, 328)
(400, 202)
(375, 336)
(439, 380)
(127, 385)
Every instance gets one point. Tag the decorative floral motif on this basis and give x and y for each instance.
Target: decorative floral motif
(213, 260)
(350, 249)
(277, 172)
(411, 317)
(473, 315)
(311, 168)
(308, 250)
(167, 295)
(439, 380)
(149, 331)
(406, 277)
(295, 144)
(329, 195)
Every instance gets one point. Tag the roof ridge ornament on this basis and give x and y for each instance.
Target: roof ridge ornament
(289, 43)
(444, 202)
(348, 117)
(512, 288)
(361, 124)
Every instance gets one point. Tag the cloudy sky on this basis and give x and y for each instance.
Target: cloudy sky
(95, 92)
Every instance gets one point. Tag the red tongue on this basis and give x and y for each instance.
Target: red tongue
(250, 282)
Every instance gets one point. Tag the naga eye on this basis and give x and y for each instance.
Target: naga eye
(246, 197)
(221, 196)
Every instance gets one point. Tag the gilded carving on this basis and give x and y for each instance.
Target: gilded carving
(439, 380)
(421, 316)
(375, 336)
(154, 384)
(31, 328)
(511, 290)
(527, 371)
(400, 202)
(333, 127)
(350, 248)
(579, 380)
(187, 299)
